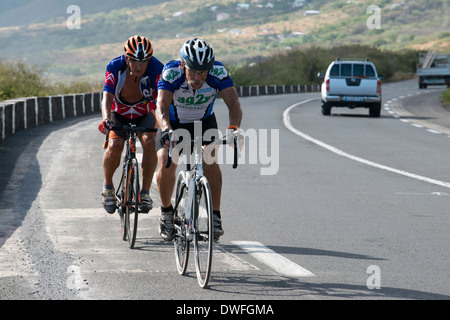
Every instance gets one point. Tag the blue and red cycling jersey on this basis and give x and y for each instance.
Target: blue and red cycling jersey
(116, 73)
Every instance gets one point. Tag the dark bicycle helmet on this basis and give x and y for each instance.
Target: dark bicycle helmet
(138, 48)
(197, 54)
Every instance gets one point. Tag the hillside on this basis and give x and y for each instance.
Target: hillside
(243, 31)
(25, 12)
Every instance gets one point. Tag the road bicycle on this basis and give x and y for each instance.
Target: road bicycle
(193, 211)
(128, 192)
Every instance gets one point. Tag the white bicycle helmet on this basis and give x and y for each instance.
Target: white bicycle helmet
(197, 54)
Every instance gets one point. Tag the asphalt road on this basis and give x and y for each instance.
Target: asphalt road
(321, 207)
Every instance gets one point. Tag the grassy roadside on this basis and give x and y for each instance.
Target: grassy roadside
(18, 80)
(446, 97)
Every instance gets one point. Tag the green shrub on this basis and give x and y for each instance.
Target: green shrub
(18, 80)
(301, 66)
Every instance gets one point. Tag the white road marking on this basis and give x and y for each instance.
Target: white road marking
(287, 123)
(232, 261)
(65, 238)
(422, 193)
(276, 262)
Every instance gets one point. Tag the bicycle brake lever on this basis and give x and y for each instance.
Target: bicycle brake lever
(169, 158)
(236, 150)
(107, 126)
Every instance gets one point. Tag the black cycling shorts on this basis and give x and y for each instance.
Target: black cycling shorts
(208, 126)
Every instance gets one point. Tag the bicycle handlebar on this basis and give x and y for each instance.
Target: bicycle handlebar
(125, 128)
(223, 140)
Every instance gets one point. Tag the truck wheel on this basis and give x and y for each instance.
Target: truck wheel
(375, 110)
(326, 109)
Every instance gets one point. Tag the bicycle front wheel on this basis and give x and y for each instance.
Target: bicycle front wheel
(181, 241)
(203, 232)
(131, 202)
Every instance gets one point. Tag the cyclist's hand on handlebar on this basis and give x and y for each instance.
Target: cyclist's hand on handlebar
(166, 137)
(103, 126)
(232, 133)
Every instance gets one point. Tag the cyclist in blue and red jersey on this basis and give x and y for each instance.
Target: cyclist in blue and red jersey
(129, 95)
(187, 91)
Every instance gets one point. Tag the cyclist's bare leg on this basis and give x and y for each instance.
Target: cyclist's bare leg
(149, 160)
(214, 175)
(165, 178)
(111, 159)
(212, 172)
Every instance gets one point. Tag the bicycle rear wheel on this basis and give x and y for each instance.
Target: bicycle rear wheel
(203, 232)
(120, 197)
(131, 202)
(181, 242)
(121, 210)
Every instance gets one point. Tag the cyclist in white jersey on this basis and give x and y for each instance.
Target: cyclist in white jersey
(187, 91)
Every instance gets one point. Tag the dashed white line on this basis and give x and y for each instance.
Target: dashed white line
(387, 107)
(276, 262)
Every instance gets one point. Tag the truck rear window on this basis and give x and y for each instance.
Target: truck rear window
(370, 72)
(352, 70)
(334, 72)
(358, 70)
(346, 70)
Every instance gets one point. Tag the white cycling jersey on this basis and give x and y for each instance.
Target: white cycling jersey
(190, 105)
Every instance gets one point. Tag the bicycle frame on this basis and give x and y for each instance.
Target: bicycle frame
(130, 155)
(192, 175)
(194, 221)
(128, 192)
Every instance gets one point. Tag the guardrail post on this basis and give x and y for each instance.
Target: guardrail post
(2, 124)
(97, 102)
(43, 110)
(30, 113)
(69, 108)
(19, 116)
(78, 107)
(57, 108)
(262, 90)
(87, 103)
(7, 120)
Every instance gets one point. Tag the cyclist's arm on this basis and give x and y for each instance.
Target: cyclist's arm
(163, 103)
(231, 99)
(107, 104)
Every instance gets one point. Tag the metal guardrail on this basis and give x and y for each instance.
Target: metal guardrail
(25, 113)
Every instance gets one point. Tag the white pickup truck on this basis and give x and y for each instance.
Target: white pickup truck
(353, 84)
(434, 69)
